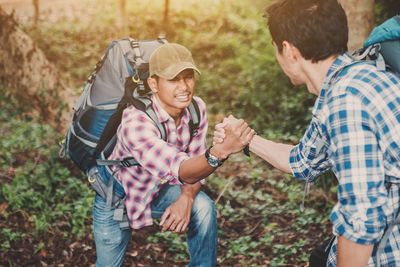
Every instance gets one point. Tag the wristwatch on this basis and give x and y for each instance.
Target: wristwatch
(213, 160)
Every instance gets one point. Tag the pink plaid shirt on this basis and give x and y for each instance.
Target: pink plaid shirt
(139, 137)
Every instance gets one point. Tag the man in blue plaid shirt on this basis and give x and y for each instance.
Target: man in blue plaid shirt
(354, 131)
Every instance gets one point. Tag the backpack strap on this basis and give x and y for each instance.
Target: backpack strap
(126, 162)
(135, 47)
(144, 103)
(373, 51)
(195, 119)
(138, 58)
(120, 215)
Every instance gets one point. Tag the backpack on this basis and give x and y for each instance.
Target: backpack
(118, 81)
(383, 46)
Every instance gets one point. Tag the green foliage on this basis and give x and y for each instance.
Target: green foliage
(385, 9)
(7, 236)
(176, 243)
(49, 196)
(230, 43)
(284, 250)
(327, 181)
(243, 246)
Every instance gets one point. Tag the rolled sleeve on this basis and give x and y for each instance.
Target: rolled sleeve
(355, 227)
(360, 214)
(308, 159)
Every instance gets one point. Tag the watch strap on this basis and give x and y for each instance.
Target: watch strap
(208, 155)
(246, 150)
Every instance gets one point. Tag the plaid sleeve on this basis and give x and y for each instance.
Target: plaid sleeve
(308, 159)
(142, 140)
(359, 214)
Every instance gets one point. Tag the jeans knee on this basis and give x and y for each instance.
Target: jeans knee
(203, 208)
(110, 240)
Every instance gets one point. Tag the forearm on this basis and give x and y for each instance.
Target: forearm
(276, 154)
(194, 169)
(352, 254)
(197, 168)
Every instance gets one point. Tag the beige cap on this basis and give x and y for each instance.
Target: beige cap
(169, 60)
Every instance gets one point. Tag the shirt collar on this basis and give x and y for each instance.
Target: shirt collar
(342, 61)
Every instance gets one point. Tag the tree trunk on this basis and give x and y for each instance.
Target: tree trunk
(30, 78)
(360, 18)
(122, 15)
(166, 9)
(36, 13)
(36, 18)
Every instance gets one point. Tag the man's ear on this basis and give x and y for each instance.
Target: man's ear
(152, 82)
(290, 51)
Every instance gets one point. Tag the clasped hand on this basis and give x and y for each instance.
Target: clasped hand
(233, 134)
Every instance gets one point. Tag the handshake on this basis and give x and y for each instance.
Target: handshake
(232, 136)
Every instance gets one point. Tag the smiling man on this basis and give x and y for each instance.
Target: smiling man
(167, 182)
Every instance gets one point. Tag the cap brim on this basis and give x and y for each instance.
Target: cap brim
(173, 70)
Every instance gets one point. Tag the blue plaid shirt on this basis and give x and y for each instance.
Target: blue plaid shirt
(355, 131)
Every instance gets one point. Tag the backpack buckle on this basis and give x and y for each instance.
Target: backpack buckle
(98, 66)
(91, 78)
(135, 80)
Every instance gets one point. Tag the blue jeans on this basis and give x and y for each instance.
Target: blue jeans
(202, 236)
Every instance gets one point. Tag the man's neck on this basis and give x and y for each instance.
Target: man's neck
(177, 118)
(316, 72)
(175, 114)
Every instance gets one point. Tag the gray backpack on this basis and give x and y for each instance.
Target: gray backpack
(119, 80)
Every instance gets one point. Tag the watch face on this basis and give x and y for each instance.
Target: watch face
(213, 162)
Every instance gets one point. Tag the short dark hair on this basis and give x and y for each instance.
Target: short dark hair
(318, 28)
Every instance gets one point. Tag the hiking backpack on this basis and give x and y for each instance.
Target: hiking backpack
(383, 46)
(119, 80)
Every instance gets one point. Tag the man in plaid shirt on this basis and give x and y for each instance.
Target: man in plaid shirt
(167, 183)
(354, 131)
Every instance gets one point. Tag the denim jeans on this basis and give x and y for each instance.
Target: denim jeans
(202, 236)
